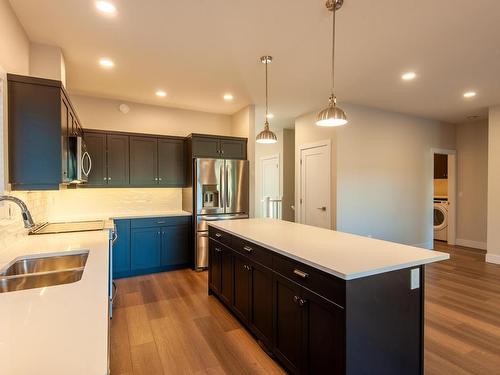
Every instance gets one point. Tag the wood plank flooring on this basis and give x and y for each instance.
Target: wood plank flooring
(167, 324)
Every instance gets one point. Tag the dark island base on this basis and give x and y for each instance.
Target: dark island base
(314, 323)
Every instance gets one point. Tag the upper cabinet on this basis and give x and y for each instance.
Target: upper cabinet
(171, 162)
(143, 161)
(40, 119)
(208, 146)
(440, 166)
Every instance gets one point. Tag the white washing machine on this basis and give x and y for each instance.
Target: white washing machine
(441, 219)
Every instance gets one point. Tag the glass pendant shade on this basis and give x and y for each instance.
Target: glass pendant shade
(266, 136)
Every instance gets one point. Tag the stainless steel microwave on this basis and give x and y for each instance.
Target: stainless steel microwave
(79, 161)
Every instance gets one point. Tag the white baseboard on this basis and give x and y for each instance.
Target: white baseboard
(493, 258)
(425, 245)
(473, 244)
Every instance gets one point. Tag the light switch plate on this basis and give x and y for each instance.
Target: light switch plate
(415, 278)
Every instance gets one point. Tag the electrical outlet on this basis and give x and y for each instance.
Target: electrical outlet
(415, 278)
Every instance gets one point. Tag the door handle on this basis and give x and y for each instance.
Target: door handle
(322, 208)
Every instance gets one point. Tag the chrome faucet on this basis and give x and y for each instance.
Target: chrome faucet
(28, 220)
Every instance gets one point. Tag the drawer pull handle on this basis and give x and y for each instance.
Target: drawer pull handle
(247, 249)
(248, 268)
(301, 274)
(218, 234)
(302, 302)
(161, 222)
(218, 250)
(296, 299)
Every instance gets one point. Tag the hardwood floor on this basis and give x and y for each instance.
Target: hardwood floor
(167, 324)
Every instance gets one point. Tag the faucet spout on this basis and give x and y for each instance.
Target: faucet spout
(27, 219)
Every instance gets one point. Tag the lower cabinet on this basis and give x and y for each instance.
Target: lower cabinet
(151, 245)
(220, 265)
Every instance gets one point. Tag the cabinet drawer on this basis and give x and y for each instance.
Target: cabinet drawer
(329, 287)
(159, 221)
(221, 236)
(254, 252)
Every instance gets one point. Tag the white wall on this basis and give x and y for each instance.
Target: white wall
(493, 236)
(472, 173)
(98, 113)
(382, 169)
(47, 62)
(14, 43)
(243, 125)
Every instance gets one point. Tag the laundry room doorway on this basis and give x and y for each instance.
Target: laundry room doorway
(444, 195)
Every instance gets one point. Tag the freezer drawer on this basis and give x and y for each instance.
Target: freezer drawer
(201, 256)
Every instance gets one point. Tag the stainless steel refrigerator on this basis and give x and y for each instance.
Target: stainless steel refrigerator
(220, 191)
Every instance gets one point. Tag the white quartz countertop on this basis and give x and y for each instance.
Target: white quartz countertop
(117, 215)
(62, 329)
(343, 255)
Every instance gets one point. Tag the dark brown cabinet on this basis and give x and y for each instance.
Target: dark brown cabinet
(207, 146)
(40, 119)
(260, 317)
(226, 265)
(143, 161)
(440, 166)
(171, 163)
(110, 159)
(215, 273)
(241, 300)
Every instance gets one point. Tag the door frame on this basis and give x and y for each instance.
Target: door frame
(328, 172)
(261, 160)
(4, 136)
(452, 194)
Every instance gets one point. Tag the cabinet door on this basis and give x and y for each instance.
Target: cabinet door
(145, 248)
(323, 335)
(214, 265)
(440, 166)
(226, 285)
(143, 161)
(260, 316)
(205, 147)
(64, 139)
(288, 344)
(241, 296)
(171, 166)
(118, 159)
(96, 147)
(233, 148)
(121, 249)
(175, 245)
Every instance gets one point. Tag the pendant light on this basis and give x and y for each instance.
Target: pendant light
(332, 115)
(266, 136)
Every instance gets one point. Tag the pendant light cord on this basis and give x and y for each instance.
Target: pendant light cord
(333, 49)
(267, 93)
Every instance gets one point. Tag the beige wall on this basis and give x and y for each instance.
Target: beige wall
(382, 172)
(14, 43)
(472, 187)
(47, 62)
(493, 236)
(243, 125)
(98, 113)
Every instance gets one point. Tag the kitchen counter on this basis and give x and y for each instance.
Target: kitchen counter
(60, 329)
(340, 254)
(118, 215)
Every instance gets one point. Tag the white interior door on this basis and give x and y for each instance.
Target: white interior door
(315, 208)
(270, 167)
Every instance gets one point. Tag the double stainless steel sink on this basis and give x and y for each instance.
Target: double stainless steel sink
(39, 272)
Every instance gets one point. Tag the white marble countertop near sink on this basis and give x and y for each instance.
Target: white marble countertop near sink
(117, 215)
(62, 329)
(341, 254)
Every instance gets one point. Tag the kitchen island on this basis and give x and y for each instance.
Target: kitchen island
(322, 301)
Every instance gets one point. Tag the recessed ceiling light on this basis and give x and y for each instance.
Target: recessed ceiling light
(270, 115)
(105, 7)
(470, 94)
(408, 76)
(161, 93)
(228, 97)
(106, 63)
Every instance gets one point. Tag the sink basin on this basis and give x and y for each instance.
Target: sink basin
(46, 264)
(39, 272)
(39, 280)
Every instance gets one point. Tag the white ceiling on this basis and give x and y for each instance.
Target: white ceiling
(197, 50)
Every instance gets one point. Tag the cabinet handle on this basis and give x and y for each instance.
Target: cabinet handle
(105, 178)
(222, 152)
(247, 249)
(160, 222)
(218, 234)
(300, 274)
(156, 178)
(302, 302)
(109, 178)
(218, 250)
(160, 179)
(158, 233)
(296, 299)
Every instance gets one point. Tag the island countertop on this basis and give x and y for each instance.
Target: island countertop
(340, 254)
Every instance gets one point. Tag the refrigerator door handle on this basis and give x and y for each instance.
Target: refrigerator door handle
(226, 181)
(223, 186)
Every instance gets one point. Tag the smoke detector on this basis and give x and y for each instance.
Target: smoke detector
(124, 108)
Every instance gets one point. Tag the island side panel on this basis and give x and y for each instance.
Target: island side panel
(385, 324)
